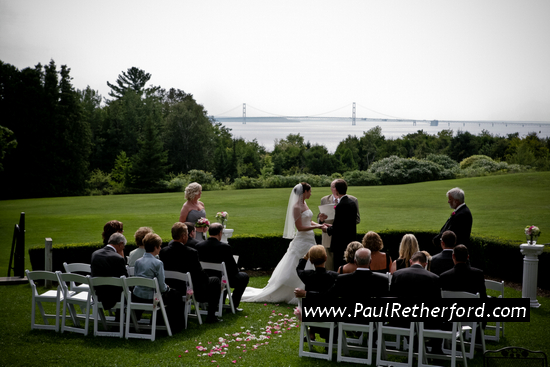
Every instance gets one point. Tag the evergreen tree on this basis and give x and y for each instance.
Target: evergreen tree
(149, 166)
(133, 79)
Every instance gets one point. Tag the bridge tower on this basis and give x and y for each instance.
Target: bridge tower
(353, 115)
(244, 113)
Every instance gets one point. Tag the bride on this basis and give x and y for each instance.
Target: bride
(299, 227)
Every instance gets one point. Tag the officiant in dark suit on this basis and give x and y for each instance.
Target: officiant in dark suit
(322, 218)
(344, 228)
(460, 221)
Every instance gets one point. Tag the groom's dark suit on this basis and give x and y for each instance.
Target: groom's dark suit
(344, 229)
(460, 222)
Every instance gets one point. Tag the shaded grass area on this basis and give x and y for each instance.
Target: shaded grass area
(501, 205)
(20, 346)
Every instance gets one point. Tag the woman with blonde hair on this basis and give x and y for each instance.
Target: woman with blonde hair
(349, 255)
(193, 209)
(408, 246)
(380, 261)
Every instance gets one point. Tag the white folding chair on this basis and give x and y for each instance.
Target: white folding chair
(51, 296)
(499, 325)
(475, 327)
(130, 270)
(457, 331)
(147, 307)
(99, 314)
(83, 268)
(82, 299)
(382, 351)
(188, 300)
(225, 284)
(304, 333)
(344, 343)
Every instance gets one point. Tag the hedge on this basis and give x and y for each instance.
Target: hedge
(497, 257)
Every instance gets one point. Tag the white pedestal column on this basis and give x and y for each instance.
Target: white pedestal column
(530, 272)
(227, 233)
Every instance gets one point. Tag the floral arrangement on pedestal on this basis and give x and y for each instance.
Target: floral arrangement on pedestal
(532, 233)
(222, 217)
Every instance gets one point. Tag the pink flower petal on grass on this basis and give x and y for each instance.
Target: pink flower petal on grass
(179, 356)
(235, 361)
(186, 351)
(265, 304)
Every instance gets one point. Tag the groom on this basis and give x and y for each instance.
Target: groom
(344, 228)
(322, 218)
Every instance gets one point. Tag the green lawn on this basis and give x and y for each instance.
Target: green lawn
(19, 346)
(501, 206)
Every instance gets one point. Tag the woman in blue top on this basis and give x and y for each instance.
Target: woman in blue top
(148, 266)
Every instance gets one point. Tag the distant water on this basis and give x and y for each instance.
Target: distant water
(330, 133)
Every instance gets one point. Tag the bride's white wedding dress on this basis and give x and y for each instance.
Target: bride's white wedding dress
(284, 279)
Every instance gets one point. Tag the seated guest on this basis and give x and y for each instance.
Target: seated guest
(415, 282)
(112, 226)
(462, 277)
(213, 250)
(357, 286)
(380, 262)
(138, 253)
(408, 246)
(444, 260)
(148, 266)
(192, 241)
(319, 280)
(178, 257)
(349, 255)
(107, 262)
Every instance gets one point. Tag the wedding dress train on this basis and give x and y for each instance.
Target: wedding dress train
(284, 279)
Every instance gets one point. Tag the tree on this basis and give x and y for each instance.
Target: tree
(288, 154)
(150, 164)
(134, 79)
(7, 143)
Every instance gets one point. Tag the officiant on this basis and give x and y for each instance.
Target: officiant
(326, 215)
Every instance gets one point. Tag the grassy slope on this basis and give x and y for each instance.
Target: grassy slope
(501, 206)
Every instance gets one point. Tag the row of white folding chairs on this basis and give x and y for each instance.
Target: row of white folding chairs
(88, 299)
(344, 344)
(226, 287)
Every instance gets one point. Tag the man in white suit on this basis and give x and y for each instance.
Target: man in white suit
(322, 218)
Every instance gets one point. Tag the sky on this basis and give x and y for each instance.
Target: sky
(446, 60)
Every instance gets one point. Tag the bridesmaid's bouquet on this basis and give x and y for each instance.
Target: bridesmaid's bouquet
(202, 223)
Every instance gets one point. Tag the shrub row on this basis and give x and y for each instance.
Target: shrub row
(496, 256)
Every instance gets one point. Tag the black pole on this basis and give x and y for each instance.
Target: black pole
(19, 266)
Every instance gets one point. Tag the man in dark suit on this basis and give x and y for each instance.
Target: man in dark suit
(179, 257)
(357, 286)
(213, 250)
(106, 262)
(344, 228)
(191, 241)
(460, 221)
(417, 283)
(444, 260)
(322, 218)
(462, 277)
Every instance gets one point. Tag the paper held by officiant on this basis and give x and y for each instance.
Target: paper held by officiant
(328, 210)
